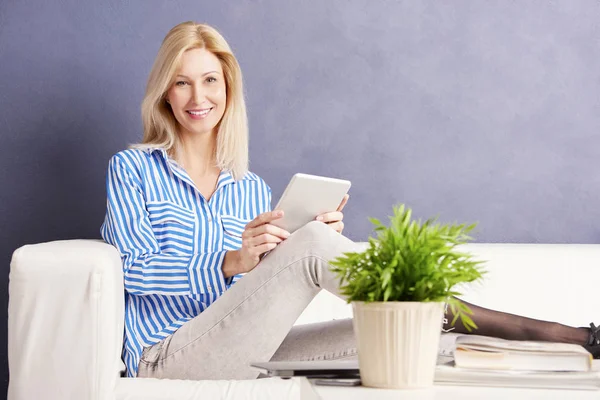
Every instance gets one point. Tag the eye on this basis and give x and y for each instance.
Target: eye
(181, 83)
(211, 79)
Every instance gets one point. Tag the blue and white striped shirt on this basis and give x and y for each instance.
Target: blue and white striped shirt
(172, 241)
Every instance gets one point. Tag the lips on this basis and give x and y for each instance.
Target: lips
(200, 113)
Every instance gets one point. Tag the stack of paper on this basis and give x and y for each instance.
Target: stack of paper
(487, 361)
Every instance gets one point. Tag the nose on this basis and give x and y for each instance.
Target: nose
(198, 94)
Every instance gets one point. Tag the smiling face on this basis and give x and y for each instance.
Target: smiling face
(198, 95)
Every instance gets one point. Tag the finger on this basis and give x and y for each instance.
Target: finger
(266, 228)
(277, 231)
(343, 203)
(331, 217)
(264, 238)
(265, 218)
(337, 226)
(263, 248)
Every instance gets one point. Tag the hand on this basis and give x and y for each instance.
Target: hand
(259, 237)
(334, 219)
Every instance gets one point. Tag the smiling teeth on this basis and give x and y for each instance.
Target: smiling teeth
(203, 112)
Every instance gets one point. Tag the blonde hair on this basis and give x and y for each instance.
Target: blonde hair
(160, 125)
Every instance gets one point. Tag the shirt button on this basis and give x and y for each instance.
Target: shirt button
(209, 287)
(209, 219)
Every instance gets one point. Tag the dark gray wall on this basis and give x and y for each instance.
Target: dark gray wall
(470, 110)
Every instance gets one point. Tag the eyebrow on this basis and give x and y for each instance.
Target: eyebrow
(204, 74)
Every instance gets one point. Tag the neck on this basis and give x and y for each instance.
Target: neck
(197, 153)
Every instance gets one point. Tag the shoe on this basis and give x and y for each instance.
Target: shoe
(593, 343)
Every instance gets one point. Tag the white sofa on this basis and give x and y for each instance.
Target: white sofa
(66, 317)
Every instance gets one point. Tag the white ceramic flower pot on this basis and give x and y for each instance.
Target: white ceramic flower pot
(397, 343)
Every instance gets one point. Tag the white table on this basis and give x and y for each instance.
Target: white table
(446, 392)
(452, 392)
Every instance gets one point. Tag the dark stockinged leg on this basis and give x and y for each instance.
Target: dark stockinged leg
(514, 327)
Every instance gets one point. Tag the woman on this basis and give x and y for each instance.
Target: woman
(189, 220)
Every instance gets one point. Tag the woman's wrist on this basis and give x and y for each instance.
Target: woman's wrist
(231, 263)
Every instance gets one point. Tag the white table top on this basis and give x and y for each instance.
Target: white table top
(445, 392)
(452, 392)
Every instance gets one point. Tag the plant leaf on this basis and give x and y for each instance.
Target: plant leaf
(410, 260)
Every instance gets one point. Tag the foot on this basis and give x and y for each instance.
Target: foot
(593, 343)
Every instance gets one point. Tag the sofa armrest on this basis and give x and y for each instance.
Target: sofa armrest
(65, 320)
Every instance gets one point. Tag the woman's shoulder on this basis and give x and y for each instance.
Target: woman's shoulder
(135, 156)
(255, 185)
(132, 159)
(251, 176)
(135, 153)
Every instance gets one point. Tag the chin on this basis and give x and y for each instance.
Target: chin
(195, 130)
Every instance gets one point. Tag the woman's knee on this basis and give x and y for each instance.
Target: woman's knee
(315, 231)
(314, 239)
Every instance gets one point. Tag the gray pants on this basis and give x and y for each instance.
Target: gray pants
(253, 321)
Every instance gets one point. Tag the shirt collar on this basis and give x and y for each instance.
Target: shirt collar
(160, 150)
(225, 177)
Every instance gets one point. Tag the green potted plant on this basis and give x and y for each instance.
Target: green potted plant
(398, 288)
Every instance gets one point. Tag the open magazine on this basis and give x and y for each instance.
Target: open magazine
(483, 352)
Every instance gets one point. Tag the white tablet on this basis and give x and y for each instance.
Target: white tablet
(306, 197)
